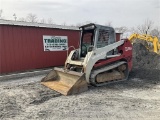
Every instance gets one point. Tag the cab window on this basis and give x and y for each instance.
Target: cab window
(87, 40)
(103, 38)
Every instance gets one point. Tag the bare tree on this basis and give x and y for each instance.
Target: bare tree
(1, 11)
(15, 17)
(109, 24)
(78, 24)
(72, 25)
(22, 19)
(122, 29)
(87, 22)
(31, 18)
(43, 21)
(133, 30)
(64, 24)
(146, 27)
(50, 21)
(155, 32)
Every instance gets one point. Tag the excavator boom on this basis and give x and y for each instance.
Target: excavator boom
(155, 44)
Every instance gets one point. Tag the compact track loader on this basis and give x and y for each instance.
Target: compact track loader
(99, 60)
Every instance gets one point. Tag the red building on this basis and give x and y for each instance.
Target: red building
(22, 47)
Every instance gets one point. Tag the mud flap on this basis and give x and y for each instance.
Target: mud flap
(65, 82)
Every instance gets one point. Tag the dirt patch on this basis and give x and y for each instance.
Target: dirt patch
(147, 74)
(144, 59)
(15, 98)
(146, 64)
(8, 106)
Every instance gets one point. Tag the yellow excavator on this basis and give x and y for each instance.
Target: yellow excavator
(150, 42)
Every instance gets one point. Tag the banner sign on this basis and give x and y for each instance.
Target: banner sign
(55, 43)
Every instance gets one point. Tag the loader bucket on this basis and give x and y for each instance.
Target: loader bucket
(66, 83)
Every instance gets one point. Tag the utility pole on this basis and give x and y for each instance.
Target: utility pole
(15, 17)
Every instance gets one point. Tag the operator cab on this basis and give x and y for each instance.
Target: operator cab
(87, 38)
(94, 37)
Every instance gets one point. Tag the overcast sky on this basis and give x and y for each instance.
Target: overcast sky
(128, 13)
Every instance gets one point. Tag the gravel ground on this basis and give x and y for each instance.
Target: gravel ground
(138, 98)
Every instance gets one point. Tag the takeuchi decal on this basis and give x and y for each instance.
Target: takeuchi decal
(55, 43)
(128, 48)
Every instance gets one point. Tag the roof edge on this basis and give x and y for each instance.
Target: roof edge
(33, 24)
